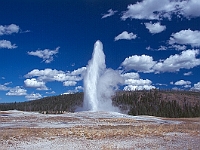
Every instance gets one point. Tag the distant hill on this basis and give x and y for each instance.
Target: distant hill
(161, 103)
(52, 104)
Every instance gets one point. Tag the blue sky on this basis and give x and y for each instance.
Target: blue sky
(45, 45)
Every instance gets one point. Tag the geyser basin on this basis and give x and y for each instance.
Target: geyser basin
(99, 82)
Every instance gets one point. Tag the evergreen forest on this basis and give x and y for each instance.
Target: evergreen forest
(160, 103)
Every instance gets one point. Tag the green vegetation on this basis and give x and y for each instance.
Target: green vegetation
(53, 104)
(172, 104)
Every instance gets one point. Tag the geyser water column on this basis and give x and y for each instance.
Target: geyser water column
(99, 82)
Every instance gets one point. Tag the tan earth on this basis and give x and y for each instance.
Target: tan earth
(96, 130)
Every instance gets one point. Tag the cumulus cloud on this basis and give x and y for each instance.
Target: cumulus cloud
(4, 87)
(190, 8)
(151, 9)
(16, 91)
(131, 75)
(34, 83)
(182, 82)
(78, 71)
(133, 82)
(76, 89)
(162, 48)
(155, 27)
(9, 29)
(7, 44)
(187, 73)
(52, 92)
(33, 96)
(187, 59)
(40, 77)
(170, 47)
(155, 10)
(69, 83)
(110, 13)
(138, 82)
(196, 87)
(188, 37)
(141, 63)
(134, 87)
(178, 47)
(48, 74)
(46, 55)
(126, 36)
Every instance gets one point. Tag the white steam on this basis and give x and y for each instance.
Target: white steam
(100, 83)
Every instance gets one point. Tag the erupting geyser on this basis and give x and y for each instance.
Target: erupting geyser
(99, 82)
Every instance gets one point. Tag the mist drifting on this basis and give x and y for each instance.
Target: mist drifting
(100, 83)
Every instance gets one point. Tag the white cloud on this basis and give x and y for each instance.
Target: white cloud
(78, 71)
(157, 10)
(126, 36)
(133, 82)
(7, 83)
(142, 63)
(7, 44)
(148, 48)
(4, 87)
(52, 92)
(46, 74)
(190, 9)
(16, 91)
(78, 88)
(196, 87)
(151, 9)
(187, 59)
(131, 75)
(188, 37)
(41, 77)
(110, 13)
(138, 82)
(33, 96)
(9, 29)
(170, 47)
(182, 82)
(134, 87)
(155, 27)
(178, 47)
(34, 83)
(69, 83)
(46, 55)
(187, 73)
(187, 86)
(162, 48)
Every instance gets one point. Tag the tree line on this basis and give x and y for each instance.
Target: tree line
(159, 103)
(54, 104)
(154, 103)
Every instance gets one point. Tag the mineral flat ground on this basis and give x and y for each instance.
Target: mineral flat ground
(96, 130)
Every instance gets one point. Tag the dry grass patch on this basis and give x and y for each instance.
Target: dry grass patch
(117, 120)
(61, 119)
(101, 131)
